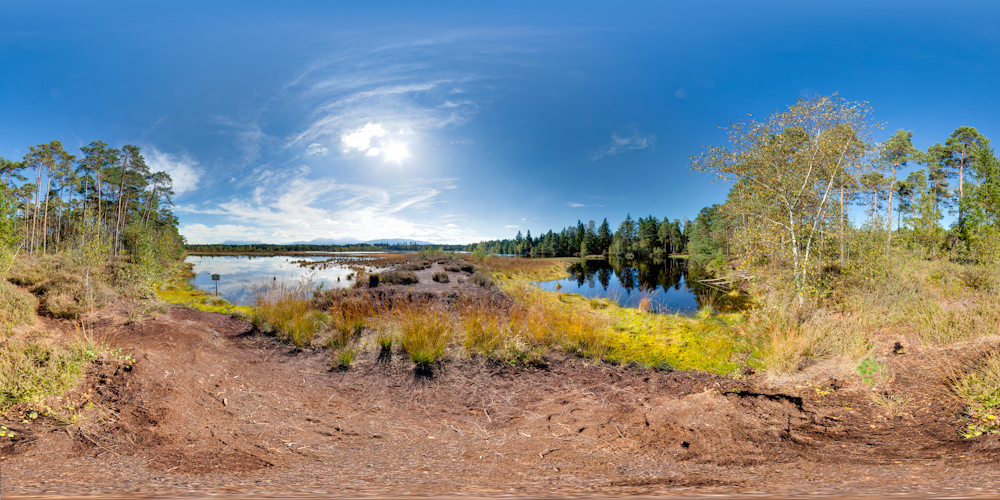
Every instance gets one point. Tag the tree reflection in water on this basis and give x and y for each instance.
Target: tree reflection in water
(668, 283)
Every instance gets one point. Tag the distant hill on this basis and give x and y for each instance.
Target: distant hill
(351, 241)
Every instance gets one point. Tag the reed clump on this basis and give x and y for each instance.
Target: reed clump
(424, 334)
(287, 309)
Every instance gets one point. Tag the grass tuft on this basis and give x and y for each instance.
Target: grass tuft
(424, 334)
(286, 309)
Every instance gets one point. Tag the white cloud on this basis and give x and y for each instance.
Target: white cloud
(317, 149)
(361, 139)
(292, 206)
(573, 204)
(620, 144)
(511, 226)
(181, 169)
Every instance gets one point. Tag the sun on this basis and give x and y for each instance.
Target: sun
(395, 151)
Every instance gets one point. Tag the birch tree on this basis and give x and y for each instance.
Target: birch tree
(788, 168)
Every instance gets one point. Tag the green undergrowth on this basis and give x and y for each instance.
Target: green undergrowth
(30, 371)
(979, 391)
(17, 308)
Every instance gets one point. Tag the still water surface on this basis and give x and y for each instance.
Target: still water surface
(625, 282)
(664, 283)
(238, 272)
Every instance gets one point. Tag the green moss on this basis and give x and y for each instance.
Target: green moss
(706, 342)
(176, 290)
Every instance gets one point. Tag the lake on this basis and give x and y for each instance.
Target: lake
(627, 282)
(238, 272)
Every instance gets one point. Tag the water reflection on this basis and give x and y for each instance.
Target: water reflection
(667, 283)
(238, 272)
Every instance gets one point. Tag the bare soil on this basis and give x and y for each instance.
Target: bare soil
(211, 408)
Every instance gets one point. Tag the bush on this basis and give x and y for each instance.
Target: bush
(400, 277)
(482, 279)
(979, 390)
(17, 307)
(66, 295)
(416, 265)
(29, 270)
(30, 371)
(441, 277)
(460, 267)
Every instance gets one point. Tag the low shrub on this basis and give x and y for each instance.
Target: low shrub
(17, 307)
(416, 265)
(482, 279)
(30, 371)
(68, 295)
(396, 277)
(979, 390)
(441, 277)
(28, 270)
(464, 267)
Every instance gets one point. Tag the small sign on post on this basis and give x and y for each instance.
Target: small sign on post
(215, 278)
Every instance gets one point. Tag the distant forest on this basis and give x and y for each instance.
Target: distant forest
(278, 248)
(647, 237)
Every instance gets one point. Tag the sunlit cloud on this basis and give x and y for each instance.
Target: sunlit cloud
(511, 226)
(182, 169)
(621, 144)
(573, 204)
(296, 207)
(361, 139)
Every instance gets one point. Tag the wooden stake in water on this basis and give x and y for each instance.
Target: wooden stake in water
(215, 278)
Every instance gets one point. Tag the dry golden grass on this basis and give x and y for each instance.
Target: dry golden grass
(424, 333)
(287, 309)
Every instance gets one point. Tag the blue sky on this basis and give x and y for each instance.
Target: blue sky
(461, 121)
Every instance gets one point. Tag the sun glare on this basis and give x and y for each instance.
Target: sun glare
(395, 151)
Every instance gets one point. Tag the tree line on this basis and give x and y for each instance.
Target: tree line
(104, 202)
(249, 248)
(647, 237)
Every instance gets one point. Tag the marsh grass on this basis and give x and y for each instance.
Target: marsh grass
(929, 302)
(508, 268)
(424, 334)
(287, 310)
